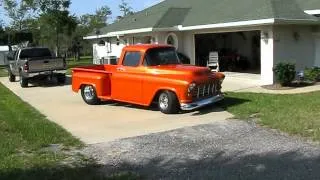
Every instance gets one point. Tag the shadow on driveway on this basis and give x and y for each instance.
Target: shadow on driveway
(290, 165)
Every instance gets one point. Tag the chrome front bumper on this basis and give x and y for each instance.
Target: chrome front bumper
(201, 103)
(31, 75)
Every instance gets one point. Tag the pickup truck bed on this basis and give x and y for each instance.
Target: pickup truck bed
(98, 76)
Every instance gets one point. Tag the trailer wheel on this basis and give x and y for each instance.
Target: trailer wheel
(168, 102)
(89, 95)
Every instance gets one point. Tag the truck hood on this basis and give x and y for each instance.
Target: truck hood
(185, 71)
(181, 69)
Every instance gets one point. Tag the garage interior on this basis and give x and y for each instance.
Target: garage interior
(237, 51)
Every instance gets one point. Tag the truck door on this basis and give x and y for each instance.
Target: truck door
(127, 79)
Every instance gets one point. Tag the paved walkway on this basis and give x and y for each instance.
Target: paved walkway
(244, 82)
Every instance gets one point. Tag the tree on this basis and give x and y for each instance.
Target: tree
(97, 20)
(89, 23)
(18, 12)
(56, 26)
(125, 8)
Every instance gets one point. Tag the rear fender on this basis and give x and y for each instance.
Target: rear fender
(100, 81)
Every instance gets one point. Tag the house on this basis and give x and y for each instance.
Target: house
(3, 55)
(249, 35)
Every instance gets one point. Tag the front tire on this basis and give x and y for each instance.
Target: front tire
(12, 78)
(89, 95)
(23, 81)
(168, 102)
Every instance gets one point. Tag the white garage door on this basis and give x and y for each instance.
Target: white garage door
(317, 62)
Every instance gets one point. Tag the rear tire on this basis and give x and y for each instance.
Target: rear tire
(168, 103)
(89, 95)
(23, 81)
(12, 78)
(61, 79)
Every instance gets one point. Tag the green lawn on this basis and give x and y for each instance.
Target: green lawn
(25, 138)
(84, 61)
(295, 114)
(3, 72)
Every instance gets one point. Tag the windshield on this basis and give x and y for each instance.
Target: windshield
(161, 56)
(34, 53)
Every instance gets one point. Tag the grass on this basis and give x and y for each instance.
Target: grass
(84, 61)
(26, 141)
(295, 114)
(3, 72)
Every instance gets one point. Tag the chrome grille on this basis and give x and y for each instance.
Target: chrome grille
(204, 90)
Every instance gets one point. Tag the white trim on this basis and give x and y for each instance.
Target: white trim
(133, 31)
(231, 24)
(120, 33)
(91, 37)
(312, 12)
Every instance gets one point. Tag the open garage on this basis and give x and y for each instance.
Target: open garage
(236, 51)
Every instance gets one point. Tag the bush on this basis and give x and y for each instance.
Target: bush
(285, 73)
(312, 74)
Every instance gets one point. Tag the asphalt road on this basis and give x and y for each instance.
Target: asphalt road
(228, 149)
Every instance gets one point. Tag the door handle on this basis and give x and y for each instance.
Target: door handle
(45, 62)
(120, 69)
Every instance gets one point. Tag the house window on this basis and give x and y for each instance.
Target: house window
(101, 43)
(172, 39)
(132, 59)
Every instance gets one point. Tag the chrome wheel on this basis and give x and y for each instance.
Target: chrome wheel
(164, 101)
(89, 93)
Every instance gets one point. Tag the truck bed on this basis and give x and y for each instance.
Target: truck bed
(98, 76)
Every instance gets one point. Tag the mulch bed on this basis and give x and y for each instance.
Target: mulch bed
(293, 85)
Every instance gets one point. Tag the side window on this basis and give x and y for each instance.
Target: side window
(132, 59)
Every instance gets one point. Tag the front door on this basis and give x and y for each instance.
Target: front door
(127, 79)
(317, 61)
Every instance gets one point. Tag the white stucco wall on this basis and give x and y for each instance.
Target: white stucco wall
(110, 49)
(295, 44)
(317, 50)
(267, 56)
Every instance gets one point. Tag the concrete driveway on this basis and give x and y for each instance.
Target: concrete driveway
(107, 122)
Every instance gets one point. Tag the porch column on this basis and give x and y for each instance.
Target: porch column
(317, 50)
(267, 56)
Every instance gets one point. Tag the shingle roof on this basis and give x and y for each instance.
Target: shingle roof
(170, 13)
(309, 4)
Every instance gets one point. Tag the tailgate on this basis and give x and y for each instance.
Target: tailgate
(49, 64)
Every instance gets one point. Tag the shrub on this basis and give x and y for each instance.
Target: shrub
(285, 73)
(312, 74)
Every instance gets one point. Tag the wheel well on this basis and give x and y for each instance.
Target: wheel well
(156, 96)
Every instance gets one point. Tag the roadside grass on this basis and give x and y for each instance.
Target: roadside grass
(84, 61)
(295, 114)
(3, 72)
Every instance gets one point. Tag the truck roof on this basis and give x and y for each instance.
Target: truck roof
(145, 47)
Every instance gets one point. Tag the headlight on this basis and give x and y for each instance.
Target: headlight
(191, 88)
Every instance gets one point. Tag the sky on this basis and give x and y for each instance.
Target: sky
(80, 7)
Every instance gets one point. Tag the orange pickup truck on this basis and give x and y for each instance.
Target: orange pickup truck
(146, 74)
